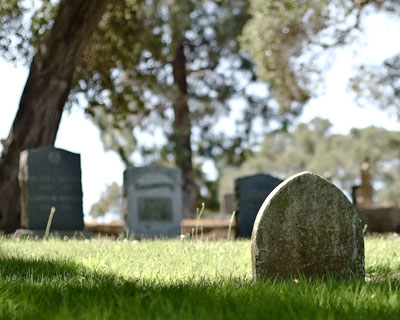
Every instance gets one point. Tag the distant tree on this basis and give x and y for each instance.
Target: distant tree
(46, 90)
(110, 202)
(313, 148)
(379, 85)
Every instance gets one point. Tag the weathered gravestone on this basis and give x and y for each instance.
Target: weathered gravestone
(50, 177)
(250, 194)
(153, 201)
(307, 226)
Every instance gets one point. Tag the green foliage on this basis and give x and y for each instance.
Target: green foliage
(78, 279)
(285, 39)
(274, 36)
(125, 80)
(127, 74)
(110, 202)
(23, 25)
(288, 39)
(11, 23)
(379, 84)
(313, 148)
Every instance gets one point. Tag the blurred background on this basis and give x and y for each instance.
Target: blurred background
(222, 90)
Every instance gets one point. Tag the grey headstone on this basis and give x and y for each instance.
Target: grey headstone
(307, 226)
(251, 192)
(51, 177)
(153, 201)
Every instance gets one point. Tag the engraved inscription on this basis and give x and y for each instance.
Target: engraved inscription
(64, 179)
(155, 209)
(140, 186)
(54, 197)
(54, 157)
(33, 178)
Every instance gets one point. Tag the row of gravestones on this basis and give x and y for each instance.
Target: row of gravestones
(51, 177)
(305, 220)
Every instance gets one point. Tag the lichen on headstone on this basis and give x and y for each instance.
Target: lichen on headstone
(307, 227)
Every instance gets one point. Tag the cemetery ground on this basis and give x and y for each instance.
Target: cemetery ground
(181, 279)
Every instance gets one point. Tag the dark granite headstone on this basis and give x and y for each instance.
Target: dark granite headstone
(153, 201)
(251, 192)
(50, 177)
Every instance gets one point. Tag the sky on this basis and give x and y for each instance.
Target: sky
(77, 133)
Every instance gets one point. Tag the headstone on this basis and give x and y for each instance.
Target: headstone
(307, 226)
(153, 196)
(51, 177)
(251, 192)
(229, 203)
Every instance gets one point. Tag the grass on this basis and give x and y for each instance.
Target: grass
(181, 279)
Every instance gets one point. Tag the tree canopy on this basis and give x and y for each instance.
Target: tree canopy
(170, 68)
(288, 40)
(134, 91)
(109, 203)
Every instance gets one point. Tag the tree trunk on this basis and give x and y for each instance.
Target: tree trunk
(182, 133)
(44, 95)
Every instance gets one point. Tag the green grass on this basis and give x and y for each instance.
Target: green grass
(181, 279)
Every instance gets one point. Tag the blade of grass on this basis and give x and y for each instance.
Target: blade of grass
(230, 224)
(52, 210)
(198, 215)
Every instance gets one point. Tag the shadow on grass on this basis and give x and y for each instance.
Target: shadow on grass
(47, 289)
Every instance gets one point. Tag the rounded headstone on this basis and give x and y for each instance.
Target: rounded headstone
(308, 227)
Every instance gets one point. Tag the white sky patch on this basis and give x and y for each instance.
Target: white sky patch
(12, 81)
(336, 104)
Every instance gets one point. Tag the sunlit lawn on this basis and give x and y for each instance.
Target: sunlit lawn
(181, 279)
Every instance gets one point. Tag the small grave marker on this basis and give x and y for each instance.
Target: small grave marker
(307, 226)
